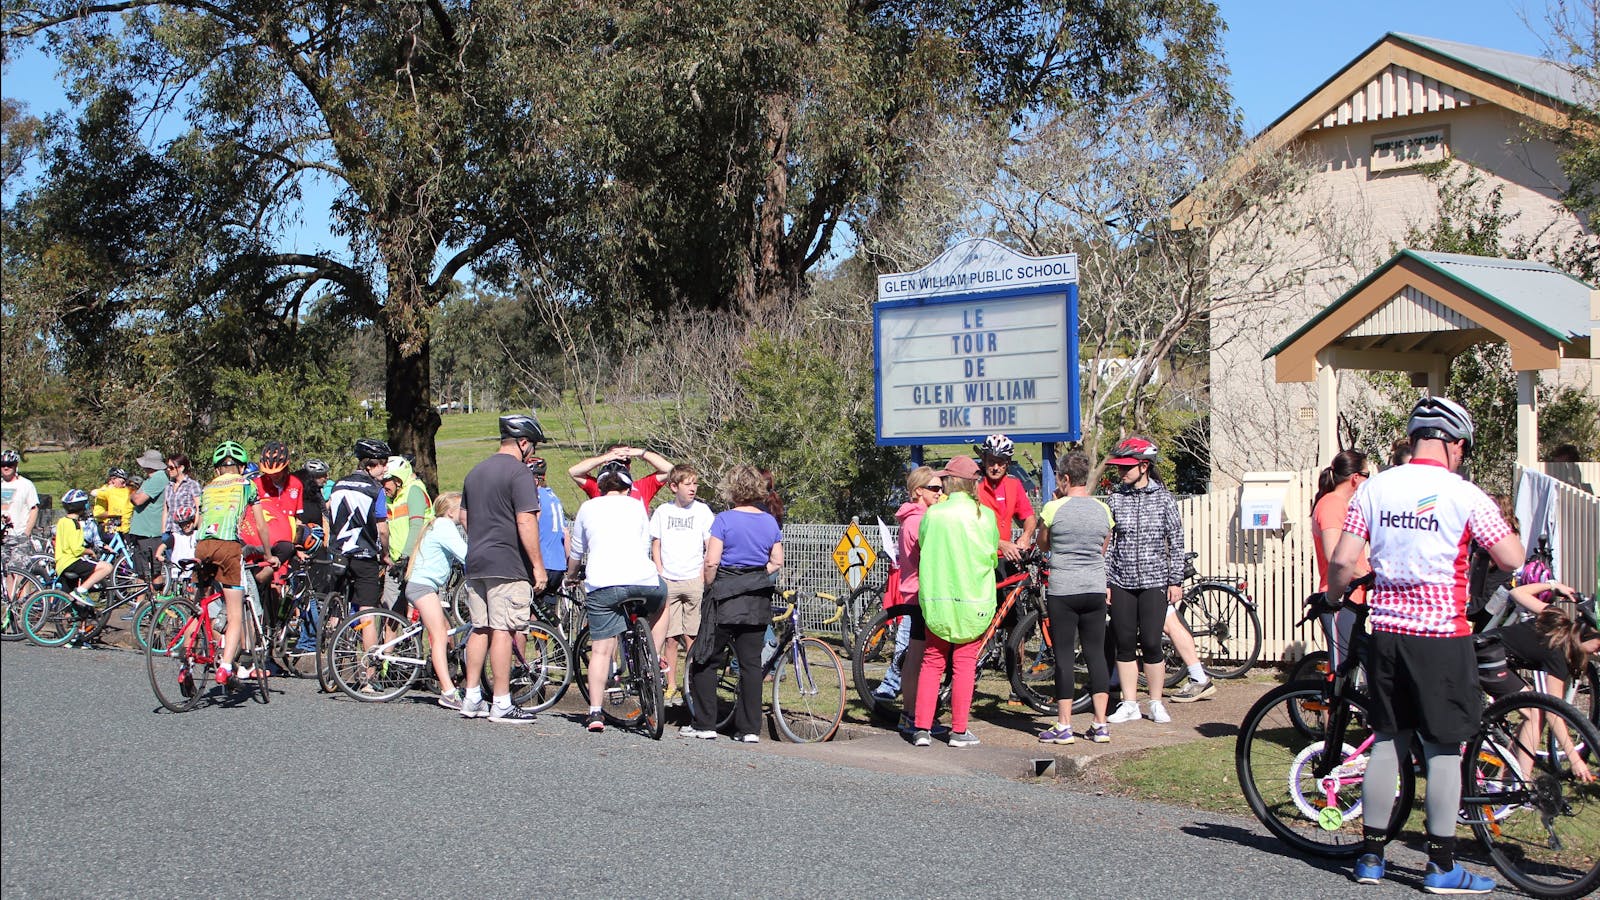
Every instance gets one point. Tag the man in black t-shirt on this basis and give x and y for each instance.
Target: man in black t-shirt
(504, 569)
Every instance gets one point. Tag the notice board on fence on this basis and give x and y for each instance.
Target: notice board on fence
(981, 340)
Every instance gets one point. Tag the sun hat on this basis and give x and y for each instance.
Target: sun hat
(961, 467)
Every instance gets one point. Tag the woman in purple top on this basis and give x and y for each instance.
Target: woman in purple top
(743, 556)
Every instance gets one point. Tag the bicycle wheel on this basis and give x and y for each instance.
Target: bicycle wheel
(727, 696)
(179, 663)
(582, 649)
(861, 606)
(49, 620)
(252, 660)
(14, 600)
(808, 692)
(159, 624)
(549, 671)
(1226, 629)
(1524, 798)
(335, 609)
(1033, 678)
(385, 671)
(646, 678)
(1275, 763)
(871, 658)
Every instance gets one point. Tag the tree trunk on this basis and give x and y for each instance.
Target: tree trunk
(770, 286)
(407, 388)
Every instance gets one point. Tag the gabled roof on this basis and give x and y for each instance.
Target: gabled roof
(1538, 89)
(1421, 303)
(1541, 75)
(1543, 297)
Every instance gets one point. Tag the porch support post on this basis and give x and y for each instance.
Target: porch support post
(1438, 376)
(1327, 408)
(1527, 419)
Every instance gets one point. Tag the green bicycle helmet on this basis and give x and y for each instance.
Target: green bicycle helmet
(230, 453)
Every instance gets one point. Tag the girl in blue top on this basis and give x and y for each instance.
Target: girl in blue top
(441, 546)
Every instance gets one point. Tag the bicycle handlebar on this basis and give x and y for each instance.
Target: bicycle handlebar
(1318, 603)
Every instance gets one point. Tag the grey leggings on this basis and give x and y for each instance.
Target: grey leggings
(1383, 780)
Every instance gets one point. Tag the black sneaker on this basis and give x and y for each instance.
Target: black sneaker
(595, 722)
(512, 715)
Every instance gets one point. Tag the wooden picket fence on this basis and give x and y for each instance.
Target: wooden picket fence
(1277, 567)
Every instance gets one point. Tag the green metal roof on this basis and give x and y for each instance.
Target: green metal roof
(1545, 297)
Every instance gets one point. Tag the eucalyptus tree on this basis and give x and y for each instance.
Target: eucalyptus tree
(402, 107)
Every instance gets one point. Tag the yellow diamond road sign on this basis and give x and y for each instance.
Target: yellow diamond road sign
(853, 555)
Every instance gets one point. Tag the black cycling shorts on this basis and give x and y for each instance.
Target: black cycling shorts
(366, 583)
(78, 571)
(1424, 684)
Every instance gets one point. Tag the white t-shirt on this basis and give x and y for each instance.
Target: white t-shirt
(682, 532)
(1419, 520)
(613, 533)
(17, 496)
(183, 545)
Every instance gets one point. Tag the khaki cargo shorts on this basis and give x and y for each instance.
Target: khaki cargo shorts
(499, 603)
(683, 607)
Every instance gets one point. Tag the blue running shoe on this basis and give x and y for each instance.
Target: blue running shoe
(1369, 869)
(1455, 881)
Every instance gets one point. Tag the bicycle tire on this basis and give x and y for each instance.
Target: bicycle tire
(549, 670)
(335, 609)
(384, 673)
(177, 666)
(14, 600)
(871, 658)
(48, 619)
(1033, 678)
(727, 697)
(808, 692)
(1228, 639)
(647, 680)
(1547, 842)
(861, 606)
(582, 649)
(162, 621)
(253, 652)
(620, 705)
(1273, 760)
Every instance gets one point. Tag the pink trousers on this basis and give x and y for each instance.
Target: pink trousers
(962, 660)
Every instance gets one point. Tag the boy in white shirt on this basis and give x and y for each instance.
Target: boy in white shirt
(678, 534)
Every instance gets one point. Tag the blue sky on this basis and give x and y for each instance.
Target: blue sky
(1278, 53)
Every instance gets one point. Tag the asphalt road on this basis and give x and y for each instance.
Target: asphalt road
(311, 796)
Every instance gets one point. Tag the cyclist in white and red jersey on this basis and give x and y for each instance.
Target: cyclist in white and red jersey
(1419, 521)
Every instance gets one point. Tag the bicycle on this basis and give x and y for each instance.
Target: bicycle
(541, 671)
(856, 611)
(806, 678)
(16, 586)
(181, 659)
(875, 651)
(1539, 822)
(635, 694)
(51, 618)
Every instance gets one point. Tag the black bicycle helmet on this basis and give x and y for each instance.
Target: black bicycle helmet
(117, 472)
(274, 457)
(1441, 418)
(316, 467)
(10, 458)
(536, 465)
(372, 448)
(518, 425)
(615, 467)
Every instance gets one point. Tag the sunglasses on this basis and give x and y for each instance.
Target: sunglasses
(936, 488)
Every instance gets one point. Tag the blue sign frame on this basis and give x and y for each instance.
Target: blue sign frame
(1074, 430)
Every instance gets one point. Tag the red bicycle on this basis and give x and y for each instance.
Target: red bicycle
(185, 648)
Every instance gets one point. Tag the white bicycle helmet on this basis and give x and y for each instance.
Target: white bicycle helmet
(1442, 418)
(997, 445)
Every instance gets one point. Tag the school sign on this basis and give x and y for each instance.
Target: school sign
(980, 340)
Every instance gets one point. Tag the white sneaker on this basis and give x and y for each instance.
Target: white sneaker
(1127, 711)
(475, 710)
(693, 732)
(1158, 712)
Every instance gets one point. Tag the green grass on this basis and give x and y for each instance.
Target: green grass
(1197, 773)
